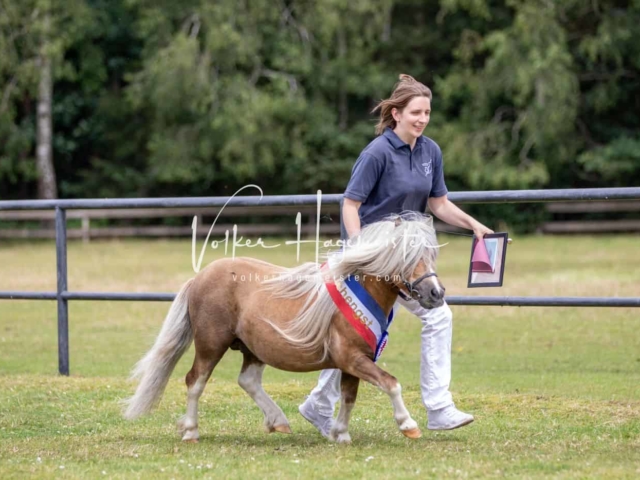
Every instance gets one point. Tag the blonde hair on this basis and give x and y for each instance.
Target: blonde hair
(403, 92)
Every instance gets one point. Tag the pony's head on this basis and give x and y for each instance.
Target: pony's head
(401, 249)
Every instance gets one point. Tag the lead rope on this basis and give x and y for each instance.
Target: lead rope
(455, 233)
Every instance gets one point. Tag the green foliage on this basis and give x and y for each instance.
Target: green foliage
(517, 106)
(616, 164)
(29, 29)
(200, 98)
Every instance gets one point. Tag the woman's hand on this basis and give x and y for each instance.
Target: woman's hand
(480, 230)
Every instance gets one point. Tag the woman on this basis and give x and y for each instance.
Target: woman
(398, 171)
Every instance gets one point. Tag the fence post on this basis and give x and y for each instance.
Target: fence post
(63, 308)
(86, 229)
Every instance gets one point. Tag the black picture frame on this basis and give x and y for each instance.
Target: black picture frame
(494, 279)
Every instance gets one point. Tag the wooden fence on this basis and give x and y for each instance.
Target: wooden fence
(567, 220)
(612, 208)
(329, 223)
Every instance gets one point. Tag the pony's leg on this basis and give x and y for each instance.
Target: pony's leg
(365, 369)
(196, 380)
(349, 386)
(250, 379)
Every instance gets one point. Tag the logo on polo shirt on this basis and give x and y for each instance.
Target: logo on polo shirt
(427, 168)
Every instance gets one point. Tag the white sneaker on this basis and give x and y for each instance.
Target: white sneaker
(321, 422)
(448, 418)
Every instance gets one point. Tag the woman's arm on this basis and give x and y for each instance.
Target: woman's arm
(350, 216)
(446, 211)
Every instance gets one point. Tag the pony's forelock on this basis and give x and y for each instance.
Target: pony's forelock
(393, 246)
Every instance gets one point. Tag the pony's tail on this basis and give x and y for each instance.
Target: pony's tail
(154, 369)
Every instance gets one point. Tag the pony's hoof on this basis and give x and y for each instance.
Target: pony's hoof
(191, 435)
(343, 438)
(280, 429)
(412, 433)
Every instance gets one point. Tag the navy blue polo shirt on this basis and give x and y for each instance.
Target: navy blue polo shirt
(389, 177)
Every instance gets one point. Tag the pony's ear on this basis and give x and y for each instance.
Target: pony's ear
(398, 221)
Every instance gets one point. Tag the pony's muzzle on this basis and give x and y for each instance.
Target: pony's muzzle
(429, 304)
(435, 296)
(436, 293)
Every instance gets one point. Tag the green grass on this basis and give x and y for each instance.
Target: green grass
(555, 391)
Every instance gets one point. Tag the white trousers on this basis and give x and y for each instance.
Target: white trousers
(435, 362)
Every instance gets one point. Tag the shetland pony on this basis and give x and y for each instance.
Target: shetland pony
(285, 318)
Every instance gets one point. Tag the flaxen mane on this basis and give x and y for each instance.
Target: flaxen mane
(391, 247)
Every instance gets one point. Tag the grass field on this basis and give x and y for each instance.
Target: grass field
(555, 391)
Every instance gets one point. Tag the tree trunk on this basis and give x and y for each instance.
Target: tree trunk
(44, 157)
(343, 101)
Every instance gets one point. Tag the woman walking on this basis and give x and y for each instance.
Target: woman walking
(402, 170)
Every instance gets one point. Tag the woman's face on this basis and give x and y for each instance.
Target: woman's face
(413, 118)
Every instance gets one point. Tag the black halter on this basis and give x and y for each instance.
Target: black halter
(411, 285)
